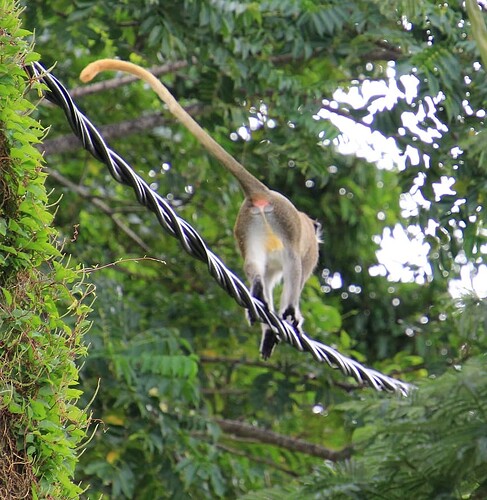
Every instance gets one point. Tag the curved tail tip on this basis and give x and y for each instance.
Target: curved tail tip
(89, 72)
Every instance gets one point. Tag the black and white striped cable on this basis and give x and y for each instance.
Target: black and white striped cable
(194, 245)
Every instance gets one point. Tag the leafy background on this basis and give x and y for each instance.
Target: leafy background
(173, 378)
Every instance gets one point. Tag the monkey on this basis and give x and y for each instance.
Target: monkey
(276, 240)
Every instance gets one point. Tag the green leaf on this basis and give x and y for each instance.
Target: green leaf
(8, 296)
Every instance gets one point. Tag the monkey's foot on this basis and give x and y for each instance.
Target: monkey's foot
(289, 315)
(269, 341)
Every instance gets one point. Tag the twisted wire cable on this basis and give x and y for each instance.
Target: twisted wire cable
(194, 245)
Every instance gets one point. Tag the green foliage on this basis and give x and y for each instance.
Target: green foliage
(157, 435)
(171, 354)
(431, 445)
(479, 29)
(42, 305)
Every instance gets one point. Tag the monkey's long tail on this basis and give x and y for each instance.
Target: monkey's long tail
(249, 183)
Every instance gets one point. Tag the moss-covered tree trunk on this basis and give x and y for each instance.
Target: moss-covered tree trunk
(42, 315)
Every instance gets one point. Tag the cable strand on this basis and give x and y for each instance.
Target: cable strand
(195, 246)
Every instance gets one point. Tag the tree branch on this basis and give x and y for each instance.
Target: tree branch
(69, 142)
(113, 83)
(259, 460)
(381, 54)
(116, 82)
(84, 193)
(384, 51)
(242, 429)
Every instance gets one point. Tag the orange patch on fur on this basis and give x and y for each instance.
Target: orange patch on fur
(273, 243)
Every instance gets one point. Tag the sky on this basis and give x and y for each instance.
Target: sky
(400, 246)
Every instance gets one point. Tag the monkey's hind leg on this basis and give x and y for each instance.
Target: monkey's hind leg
(269, 338)
(257, 291)
(262, 286)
